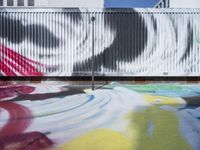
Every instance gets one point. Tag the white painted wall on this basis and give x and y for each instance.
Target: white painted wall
(41, 3)
(69, 3)
(185, 3)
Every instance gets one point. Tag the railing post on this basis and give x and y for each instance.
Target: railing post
(93, 19)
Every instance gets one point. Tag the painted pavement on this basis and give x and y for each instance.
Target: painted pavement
(50, 116)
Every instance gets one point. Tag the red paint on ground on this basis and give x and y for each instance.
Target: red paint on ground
(11, 91)
(19, 119)
(27, 141)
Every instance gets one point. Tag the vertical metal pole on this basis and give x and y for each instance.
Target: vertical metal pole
(93, 19)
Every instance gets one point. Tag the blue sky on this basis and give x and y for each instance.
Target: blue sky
(130, 3)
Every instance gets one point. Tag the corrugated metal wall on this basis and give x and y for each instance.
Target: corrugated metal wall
(127, 42)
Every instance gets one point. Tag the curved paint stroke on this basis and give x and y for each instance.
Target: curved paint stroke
(20, 27)
(134, 116)
(158, 129)
(12, 91)
(68, 116)
(121, 26)
(14, 64)
(19, 119)
(141, 44)
(27, 141)
(100, 139)
(127, 42)
(16, 92)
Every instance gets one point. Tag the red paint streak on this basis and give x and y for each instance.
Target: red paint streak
(27, 141)
(7, 92)
(12, 65)
(19, 65)
(19, 119)
(24, 89)
(6, 69)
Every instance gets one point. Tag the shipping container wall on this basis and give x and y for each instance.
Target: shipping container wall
(127, 42)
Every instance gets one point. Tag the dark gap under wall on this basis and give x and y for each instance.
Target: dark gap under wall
(134, 80)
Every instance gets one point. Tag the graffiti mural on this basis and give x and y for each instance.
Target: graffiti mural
(118, 116)
(128, 42)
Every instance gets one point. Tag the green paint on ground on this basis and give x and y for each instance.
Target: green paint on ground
(198, 41)
(148, 87)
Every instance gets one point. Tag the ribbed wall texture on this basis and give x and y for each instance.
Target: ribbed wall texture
(128, 42)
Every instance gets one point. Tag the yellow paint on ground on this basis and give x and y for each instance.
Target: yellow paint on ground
(161, 100)
(88, 91)
(100, 139)
(151, 129)
(158, 129)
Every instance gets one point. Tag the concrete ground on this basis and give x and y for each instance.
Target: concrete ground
(116, 116)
